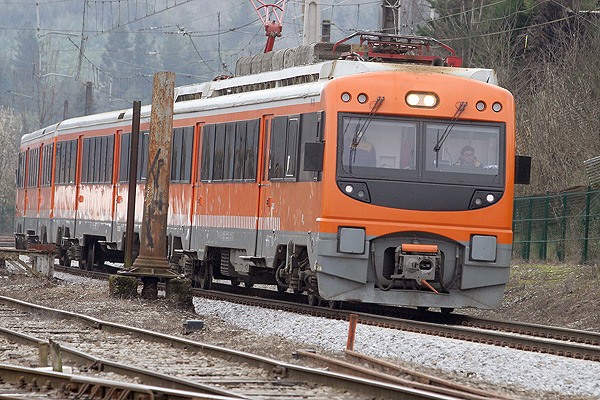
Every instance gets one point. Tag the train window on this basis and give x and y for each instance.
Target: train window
(97, 160)
(218, 160)
(251, 152)
(378, 147)
(143, 156)
(110, 158)
(125, 157)
(63, 162)
(46, 173)
(208, 152)
(33, 168)
(176, 154)
(311, 130)
(73, 162)
(291, 148)
(57, 163)
(283, 154)
(229, 151)
(124, 160)
(92, 160)
(186, 154)
(142, 163)
(240, 150)
(181, 154)
(102, 155)
(277, 148)
(469, 149)
(21, 170)
(85, 159)
(67, 150)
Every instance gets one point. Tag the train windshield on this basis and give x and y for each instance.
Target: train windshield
(401, 149)
(378, 147)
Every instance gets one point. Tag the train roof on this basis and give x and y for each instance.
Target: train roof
(287, 84)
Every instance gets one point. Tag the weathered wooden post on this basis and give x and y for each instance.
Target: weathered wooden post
(152, 264)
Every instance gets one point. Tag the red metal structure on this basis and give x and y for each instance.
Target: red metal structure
(272, 28)
(377, 46)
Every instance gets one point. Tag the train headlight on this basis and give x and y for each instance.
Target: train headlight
(429, 100)
(346, 97)
(349, 189)
(412, 99)
(420, 99)
(362, 98)
(497, 107)
(490, 198)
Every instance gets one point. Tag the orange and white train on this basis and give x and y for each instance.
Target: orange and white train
(348, 180)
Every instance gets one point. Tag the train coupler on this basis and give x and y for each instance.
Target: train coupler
(417, 262)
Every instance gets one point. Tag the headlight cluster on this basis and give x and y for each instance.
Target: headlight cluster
(484, 198)
(421, 99)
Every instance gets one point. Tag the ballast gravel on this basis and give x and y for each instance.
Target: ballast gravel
(502, 366)
(255, 329)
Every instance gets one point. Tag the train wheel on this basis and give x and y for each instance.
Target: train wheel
(281, 289)
(248, 284)
(91, 256)
(205, 276)
(66, 261)
(334, 304)
(313, 300)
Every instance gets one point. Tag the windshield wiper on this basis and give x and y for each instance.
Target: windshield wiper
(438, 145)
(361, 130)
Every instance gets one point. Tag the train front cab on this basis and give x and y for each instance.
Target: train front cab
(403, 222)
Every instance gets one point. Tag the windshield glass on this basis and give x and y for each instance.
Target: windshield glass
(378, 147)
(391, 148)
(469, 149)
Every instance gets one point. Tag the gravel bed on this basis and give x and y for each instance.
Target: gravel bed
(502, 366)
(277, 334)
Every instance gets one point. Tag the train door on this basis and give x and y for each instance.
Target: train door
(197, 194)
(116, 200)
(31, 189)
(265, 228)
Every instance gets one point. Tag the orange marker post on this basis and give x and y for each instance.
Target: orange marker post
(351, 331)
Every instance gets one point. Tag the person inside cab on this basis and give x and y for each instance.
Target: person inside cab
(467, 158)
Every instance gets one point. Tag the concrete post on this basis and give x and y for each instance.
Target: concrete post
(312, 18)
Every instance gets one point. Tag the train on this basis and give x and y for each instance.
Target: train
(373, 172)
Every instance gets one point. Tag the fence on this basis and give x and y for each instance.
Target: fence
(558, 227)
(7, 219)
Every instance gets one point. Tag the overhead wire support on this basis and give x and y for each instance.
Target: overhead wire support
(272, 27)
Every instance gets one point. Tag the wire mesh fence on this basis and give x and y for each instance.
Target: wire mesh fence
(7, 219)
(558, 227)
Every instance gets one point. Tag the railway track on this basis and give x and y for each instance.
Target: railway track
(7, 241)
(94, 346)
(521, 336)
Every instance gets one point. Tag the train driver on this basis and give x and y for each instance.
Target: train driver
(467, 158)
(365, 155)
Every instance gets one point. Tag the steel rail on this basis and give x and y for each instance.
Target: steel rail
(574, 349)
(521, 336)
(435, 384)
(332, 379)
(95, 388)
(147, 376)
